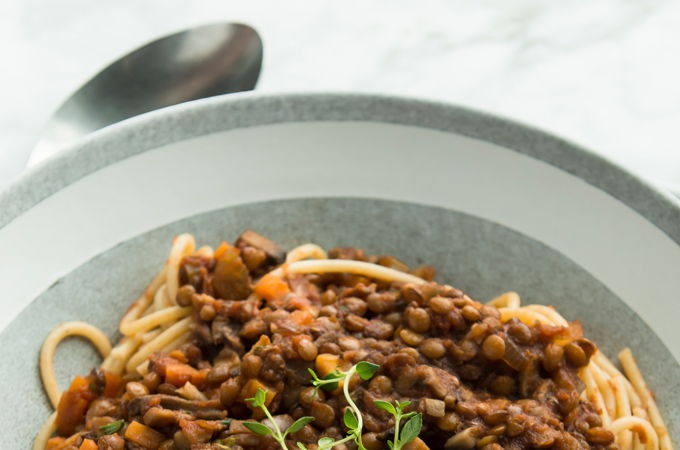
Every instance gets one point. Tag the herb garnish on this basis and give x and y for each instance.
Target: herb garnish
(112, 427)
(352, 416)
(411, 428)
(258, 428)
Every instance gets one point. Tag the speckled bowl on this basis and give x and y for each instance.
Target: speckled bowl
(492, 204)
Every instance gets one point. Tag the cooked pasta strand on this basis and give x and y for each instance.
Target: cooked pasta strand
(158, 343)
(508, 300)
(637, 380)
(638, 425)
(46, 430)
(369, 270)
(306, 251)
(49, 347)
(171, 314)
(182, 245)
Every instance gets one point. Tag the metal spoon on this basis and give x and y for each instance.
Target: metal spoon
(188, 65)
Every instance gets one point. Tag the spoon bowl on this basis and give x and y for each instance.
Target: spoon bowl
(199, 62)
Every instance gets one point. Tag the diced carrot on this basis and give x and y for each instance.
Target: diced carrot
(144, 436)
(79, 383)
(179, 356)
(113, 384)
(161, 363)
(88, 444)
(199, 378)
(220, 250)
(178, 374)
(326, 363)
(70, 412)
(54, 443)
(73, 405)
(271, 287)
(249, 391)
(195, 432)
(301, 317)
(263, 341)
(300, 303)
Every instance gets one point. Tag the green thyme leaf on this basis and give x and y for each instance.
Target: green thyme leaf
(366, 370)
(225, 422)
(402, 405)
(258, 428)
(350, 419)
(411, 429)
(325, 443)
(112, 427)
(331, 386)
(299, 424)
(301, 446)
(260, 397)
(315, 377)
(385, 406)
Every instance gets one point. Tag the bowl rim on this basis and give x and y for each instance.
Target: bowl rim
(250, 109)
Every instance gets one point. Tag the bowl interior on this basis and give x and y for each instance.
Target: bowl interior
(477, 255)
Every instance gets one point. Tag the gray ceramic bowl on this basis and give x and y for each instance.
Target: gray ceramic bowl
(492, 204)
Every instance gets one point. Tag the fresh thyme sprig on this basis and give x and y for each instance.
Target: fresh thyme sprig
(258, 401)
(352, 416)
(411, 429)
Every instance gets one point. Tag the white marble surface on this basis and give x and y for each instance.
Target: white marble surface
(603, 73)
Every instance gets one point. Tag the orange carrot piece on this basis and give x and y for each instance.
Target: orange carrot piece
(88, 444)
(301, 317)
(199, 378)
(179, 374)
(113, 384)
(271, 287)
(144, 436)
(179, 356)
(54, 443)
(300, 303)
(326, 363)
(251, 388)
(73, 405)
(220, 250)
(78, 383)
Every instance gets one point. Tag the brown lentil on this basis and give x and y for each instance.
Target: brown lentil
(307, 350)
(493, 347)
(470, 313)
(432, 348)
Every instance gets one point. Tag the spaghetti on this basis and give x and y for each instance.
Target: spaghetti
(173, 313)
